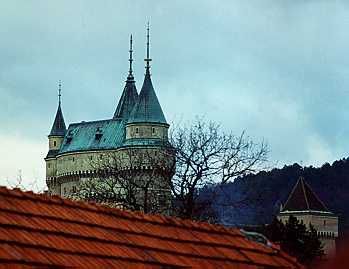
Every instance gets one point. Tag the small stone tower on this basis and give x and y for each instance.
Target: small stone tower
(306, 206)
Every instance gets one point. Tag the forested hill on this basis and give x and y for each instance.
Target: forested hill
(254, 199)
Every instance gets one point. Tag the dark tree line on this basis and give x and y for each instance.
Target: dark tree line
(330, 182)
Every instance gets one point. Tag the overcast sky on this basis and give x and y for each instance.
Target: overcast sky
(277, 69)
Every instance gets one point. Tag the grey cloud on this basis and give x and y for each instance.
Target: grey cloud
(277, 69)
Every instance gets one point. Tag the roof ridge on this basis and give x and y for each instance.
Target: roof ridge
(125, 214)
(317, 197)
(290, 195)
(56, 230)
(304, 193)
(93, 121)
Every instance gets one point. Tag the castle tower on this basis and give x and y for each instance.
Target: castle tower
(306, 206)
(55, 139)
(147, 119)
(147, 130)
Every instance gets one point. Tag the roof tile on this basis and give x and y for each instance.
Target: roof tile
(36, 230)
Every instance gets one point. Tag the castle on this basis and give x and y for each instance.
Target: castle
(89, 150)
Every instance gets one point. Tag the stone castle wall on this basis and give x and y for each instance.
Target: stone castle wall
(326, 225)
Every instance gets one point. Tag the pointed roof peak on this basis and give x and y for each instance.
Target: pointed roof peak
(303, 198)
(147, 108)
(58, 127)
(129, 95)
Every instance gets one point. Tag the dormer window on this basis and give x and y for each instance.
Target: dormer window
(98, 134)
(69, 137)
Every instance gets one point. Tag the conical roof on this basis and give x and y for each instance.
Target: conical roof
(58, 128)
(302, 198)
(128, 99)
(147, 108)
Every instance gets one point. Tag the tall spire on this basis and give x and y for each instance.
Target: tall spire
(130, 72)
(147, 109)
(129, 95)
(58, 128)
(147, 60)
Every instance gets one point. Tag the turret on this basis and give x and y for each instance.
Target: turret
(55, 139)
(58, 129)
(147, 119)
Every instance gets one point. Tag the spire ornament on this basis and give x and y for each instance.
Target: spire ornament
(147, 60)
(130, 72)
(59, 92)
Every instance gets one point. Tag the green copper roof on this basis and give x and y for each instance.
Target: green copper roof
(94, 135)
(128, 99)
(58, 128)
(147, 108)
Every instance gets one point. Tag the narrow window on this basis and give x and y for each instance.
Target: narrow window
(324, 222)
(73, 159)
(74, 188)
(65, 190)
(136, 130)
(49, 165)
(91, 158)
(54, 143)
(153, 130)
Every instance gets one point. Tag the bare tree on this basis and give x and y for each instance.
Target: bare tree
(207, 155)
(130, 178)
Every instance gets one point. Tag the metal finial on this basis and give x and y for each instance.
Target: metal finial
(147, 60)
(130, 59)
(59, 92)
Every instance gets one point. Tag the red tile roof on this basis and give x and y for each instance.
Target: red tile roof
(50, 232)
